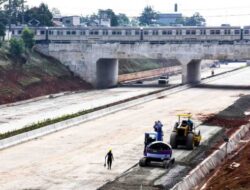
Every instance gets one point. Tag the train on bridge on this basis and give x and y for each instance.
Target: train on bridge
(131, 35)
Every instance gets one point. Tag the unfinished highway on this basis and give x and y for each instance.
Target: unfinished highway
(74, 158)
(20, 114)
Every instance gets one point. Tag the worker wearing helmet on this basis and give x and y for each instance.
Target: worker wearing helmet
(109, 157)
(158, 129)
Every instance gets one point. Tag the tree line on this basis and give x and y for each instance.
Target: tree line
(148, 17)
(17, 12)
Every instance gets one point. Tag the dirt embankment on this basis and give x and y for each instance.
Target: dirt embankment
(34, 75)
(232, 117)
(127, 66)
(234, 174)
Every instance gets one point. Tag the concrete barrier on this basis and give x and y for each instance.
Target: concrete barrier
(5, 143)
(215, 159)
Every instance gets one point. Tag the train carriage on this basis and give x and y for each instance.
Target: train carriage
(184, 34)
(191, 34)
(39, 32)
(246, 33)
(121, 34)
(223, 34)
(94, 34)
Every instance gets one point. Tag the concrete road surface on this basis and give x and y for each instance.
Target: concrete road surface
(74, 158)
(18, 116)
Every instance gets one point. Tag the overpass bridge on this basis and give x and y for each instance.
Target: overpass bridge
(98, 63)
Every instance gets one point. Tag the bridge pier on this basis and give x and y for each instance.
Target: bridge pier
(98, 65)
(191, 72)
(106, 73)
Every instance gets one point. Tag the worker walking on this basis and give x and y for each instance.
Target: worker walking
(109, 157)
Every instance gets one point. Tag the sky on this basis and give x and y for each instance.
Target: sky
(216, 12)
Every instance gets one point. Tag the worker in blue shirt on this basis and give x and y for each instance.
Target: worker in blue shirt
(190, 124)
(158, 129)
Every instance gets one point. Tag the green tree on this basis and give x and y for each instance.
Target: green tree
(108, 13)
(2, 31)
(148, 16)
(15, 10)
(3, 17)
(16, 47)
(135, 22)
(115, 20)
(195, 20)
(122, 19)
(3, 1)
(28, 38)
(56, 12)
(41, 13)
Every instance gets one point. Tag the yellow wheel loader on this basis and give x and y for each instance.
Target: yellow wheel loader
(184, 133)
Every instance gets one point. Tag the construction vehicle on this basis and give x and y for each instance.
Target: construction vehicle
(155, 150)
(184, 133)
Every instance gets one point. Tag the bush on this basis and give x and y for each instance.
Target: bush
(16, 47)
(28, 38)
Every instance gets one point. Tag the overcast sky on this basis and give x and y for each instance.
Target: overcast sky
(216, 12)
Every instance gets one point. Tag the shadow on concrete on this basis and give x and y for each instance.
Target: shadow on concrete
(145, 85)
(226, 87)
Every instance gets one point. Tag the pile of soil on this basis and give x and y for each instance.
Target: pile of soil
(34, 75)
(227, 177)
(234, 116)
(234, 173)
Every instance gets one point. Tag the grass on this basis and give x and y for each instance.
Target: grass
(6, 91)
(43, 124)
(9, 91)
(29, 81)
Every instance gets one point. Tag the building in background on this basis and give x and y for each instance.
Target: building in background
(71, 21)
(168, 19)
(104, 19)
